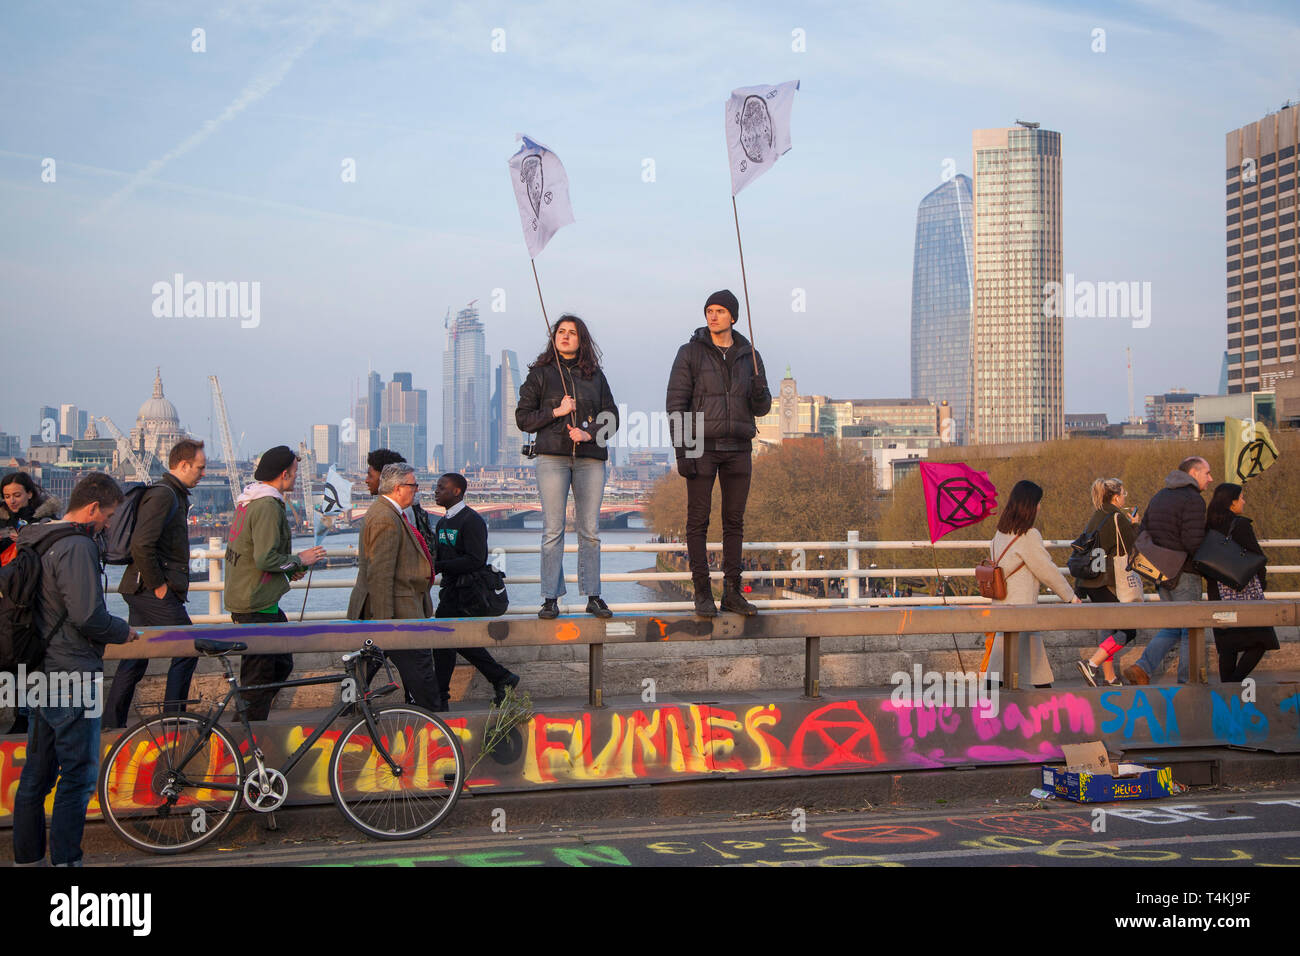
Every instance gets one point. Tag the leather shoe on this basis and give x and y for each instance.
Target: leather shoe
(550, 609)
(509, 682)
(598, 607)
(1136, 675)
(733, 600)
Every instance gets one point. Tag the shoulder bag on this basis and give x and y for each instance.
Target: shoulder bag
(1226, 561)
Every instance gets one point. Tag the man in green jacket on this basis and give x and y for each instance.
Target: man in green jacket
(259, 567)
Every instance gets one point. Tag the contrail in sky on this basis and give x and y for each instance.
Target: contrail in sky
(257, 88)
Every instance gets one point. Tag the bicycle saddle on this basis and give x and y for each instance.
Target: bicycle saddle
(205, 646)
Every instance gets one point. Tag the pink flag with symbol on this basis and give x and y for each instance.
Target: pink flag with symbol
(955, 495)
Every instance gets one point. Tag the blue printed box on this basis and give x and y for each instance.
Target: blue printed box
(1132, 782)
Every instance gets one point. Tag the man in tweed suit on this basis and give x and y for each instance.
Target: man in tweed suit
(394, 575)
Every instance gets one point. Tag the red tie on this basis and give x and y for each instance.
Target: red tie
(424, 548)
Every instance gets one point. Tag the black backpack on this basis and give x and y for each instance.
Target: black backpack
(1087, 561)
(20, 585)
(117, 537)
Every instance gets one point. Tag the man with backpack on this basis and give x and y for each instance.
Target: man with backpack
(156, 583)
(462, 553)
(72, 626)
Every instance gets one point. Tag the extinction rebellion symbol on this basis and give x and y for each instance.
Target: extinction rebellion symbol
(1251, 459)
(954, 498)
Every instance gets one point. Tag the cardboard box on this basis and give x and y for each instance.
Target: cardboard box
(1091, 776)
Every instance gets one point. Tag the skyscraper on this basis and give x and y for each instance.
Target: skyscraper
(1017, 385)
(374, 400)
(506, 437)
(466, 378)
(325, 444)
(1263, 258)
(68, 422)
(941, 298)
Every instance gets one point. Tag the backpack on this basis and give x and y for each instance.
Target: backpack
(1087, 561)
(20, 586)
(481, 593)
(117, 537)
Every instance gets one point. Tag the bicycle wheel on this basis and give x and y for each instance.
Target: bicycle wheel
(157, 805)
(397, 805)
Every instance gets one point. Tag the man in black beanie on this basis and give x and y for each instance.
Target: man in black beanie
(260, 565)
(716, 390)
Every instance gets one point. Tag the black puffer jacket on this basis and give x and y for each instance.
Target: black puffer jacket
(725, 391)
(1176, 516)
(541, 394)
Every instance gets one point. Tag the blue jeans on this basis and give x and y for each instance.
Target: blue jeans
(1186, 588)
(62, 745)
(555, 475)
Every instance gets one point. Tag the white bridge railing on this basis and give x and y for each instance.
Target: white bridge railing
(852, 574)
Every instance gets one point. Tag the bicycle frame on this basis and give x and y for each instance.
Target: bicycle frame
(236, 692)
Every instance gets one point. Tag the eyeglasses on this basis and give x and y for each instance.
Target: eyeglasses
(409, 484)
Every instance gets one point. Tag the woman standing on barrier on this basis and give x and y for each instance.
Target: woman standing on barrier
(1240, 648)
(1018, 550)
(566, 401)
(1116, 536)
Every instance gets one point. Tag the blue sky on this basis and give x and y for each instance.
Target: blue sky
(225, 165)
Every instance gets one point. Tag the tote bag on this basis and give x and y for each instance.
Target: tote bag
(1128, 586)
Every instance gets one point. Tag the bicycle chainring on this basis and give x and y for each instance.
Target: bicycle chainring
(265, 790)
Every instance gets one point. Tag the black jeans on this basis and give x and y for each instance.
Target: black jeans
(444, 661)
(262, 668)
(149, 611)
(1235, 666)
(732, 469)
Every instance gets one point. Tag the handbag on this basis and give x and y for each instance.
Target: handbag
(1160, 566)
(1087, 561)
(1128, 586)
(1253, 591)
(481, 593)
(1227, 561)
(990, 580)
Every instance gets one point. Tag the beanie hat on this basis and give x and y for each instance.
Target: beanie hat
(273, 463)
(728, 301)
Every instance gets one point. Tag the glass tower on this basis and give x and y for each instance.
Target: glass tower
(941, 299)
(466, 379)
(1017, 382)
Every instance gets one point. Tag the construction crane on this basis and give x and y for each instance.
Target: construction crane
(306, 472)
(126, 454)
(1132, 420)
(227, 443)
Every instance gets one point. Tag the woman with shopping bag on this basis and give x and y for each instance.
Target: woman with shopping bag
(1240, 648)
(1116, 531)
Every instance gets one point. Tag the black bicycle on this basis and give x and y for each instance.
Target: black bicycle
(173, 782)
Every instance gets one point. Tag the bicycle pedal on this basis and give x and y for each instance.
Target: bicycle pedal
(270, 821)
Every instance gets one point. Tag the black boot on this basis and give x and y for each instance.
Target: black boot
(704, 605)
(734, 600)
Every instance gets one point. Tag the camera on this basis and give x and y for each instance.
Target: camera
(529, 450)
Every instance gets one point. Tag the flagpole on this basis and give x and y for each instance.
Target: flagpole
(303, 612)
(573, 416)
(745, 284)
(939, 584)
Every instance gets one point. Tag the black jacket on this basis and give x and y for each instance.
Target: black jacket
(541, 394)
(725, 392)
(160, 544)
(1244, 534)
(462, 549)
(1176, 516)
(1103, 521)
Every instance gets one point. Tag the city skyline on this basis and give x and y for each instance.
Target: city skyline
(350, 269)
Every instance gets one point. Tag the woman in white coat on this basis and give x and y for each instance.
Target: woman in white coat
(1018, 550)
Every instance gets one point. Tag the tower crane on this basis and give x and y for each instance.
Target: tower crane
(227, 443)
(126, 453)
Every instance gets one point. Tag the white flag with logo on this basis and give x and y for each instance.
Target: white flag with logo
(337, 495)
(758, 130)
(542, 192)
